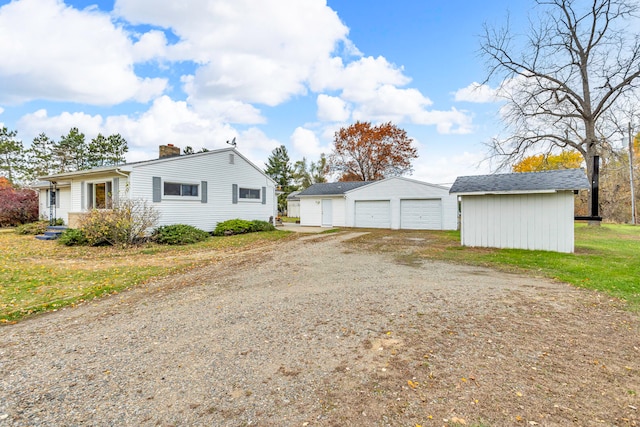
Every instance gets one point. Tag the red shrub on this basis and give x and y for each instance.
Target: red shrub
(17, 206)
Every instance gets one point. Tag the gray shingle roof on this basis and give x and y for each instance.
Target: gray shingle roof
(567, 179)
(332, 188)
(293, 196)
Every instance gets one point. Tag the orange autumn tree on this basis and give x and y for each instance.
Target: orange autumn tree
(545, 162)
(363, 152)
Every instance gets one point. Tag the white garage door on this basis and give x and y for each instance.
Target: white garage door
(421, 214)
(373, 214)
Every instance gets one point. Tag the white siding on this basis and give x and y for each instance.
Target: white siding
(397, 189)
(311, 210)
(64, 203)
(220, 174)
(524, 221)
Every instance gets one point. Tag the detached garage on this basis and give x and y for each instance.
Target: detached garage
(396, 203)
(532, 210)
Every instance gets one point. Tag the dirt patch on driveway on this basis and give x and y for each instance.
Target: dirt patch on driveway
(318, 331)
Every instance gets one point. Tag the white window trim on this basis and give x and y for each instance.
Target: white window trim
(245, 200)
(181, 182)
(108, 198)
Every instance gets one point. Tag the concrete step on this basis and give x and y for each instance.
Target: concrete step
(52, 233)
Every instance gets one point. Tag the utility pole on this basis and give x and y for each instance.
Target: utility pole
(633, 197)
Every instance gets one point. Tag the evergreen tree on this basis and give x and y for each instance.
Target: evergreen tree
(279, 168)
(314, 173)
(40, 158)
(11, 155)
(71, 152)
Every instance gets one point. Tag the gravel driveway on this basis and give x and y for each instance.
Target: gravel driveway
(317, 331)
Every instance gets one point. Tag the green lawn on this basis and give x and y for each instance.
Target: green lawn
(39, 276)
(607, 258)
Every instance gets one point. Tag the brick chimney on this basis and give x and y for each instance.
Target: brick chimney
(169, 151)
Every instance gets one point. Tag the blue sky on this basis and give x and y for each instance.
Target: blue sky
(266, 72)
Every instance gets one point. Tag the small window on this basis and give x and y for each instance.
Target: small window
(249, 193)
(177, 189)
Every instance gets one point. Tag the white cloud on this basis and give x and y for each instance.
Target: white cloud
(332, 109)
(477, 93)
(165, 122)
(54, 52)
(446, 122)
(388, 103)
(246, 53)
(306, 144)
(445, 169)
(33, 124)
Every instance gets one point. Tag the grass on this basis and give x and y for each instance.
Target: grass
(292, 219)
(38, 276)
(607, 258)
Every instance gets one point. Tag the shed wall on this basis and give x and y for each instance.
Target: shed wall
(523, 221)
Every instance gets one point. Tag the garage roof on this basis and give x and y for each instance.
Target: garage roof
(332, 188)
(528, 182)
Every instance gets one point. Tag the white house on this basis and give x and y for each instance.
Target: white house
(533, 210)
(197, 189)
(395, 203)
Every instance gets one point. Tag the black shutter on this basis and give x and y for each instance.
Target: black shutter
(203, 190)
(157, 189)
(234, 194)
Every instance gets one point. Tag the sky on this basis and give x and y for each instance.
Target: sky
(267, 72)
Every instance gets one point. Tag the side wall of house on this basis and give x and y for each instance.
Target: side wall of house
(396, 190)
(524, 221)
(220, 176)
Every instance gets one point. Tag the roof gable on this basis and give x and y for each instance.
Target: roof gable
(528, 182)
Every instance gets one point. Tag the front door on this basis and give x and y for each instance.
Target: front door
(327, 213)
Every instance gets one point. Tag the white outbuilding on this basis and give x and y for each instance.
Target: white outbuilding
(395, 203)
(533, 210)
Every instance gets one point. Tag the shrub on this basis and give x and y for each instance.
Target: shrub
(17, 206)
(241, 226)
(258, 225)
(127, 223)
(38, 227)
(179, 234)
(232, 226)
(73, 237)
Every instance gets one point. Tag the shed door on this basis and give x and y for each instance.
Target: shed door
(421, 214)
(373, 214)
(327, 213)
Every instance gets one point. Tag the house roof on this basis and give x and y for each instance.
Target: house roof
(293, 196)
(332, 188)
(128, 167)
(528, 182)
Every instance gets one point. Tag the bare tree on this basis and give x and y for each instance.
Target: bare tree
(576, 64)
